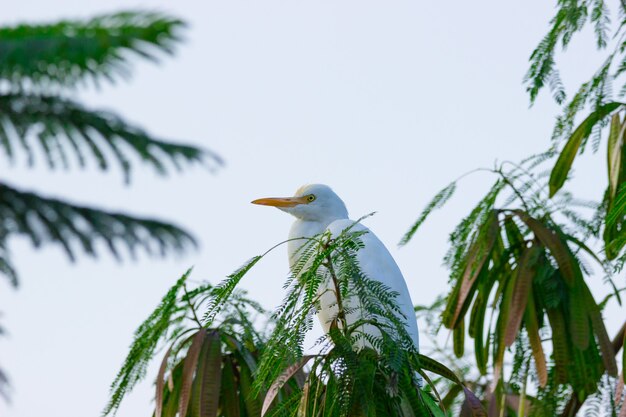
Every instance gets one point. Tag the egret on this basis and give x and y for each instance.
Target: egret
(318, 209)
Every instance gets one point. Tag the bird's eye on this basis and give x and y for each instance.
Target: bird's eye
(310, 198)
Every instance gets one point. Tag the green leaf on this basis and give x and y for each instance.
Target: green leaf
(566, 158)
(251, 401)
(476, 329)
(597, 324)
(438, 368)
(69, 51)
(437, 202)
(501, 326)
(59, 123)
(432, 406)
(230, 394)
(560, 348)
(146, 340)
(459, 338)
(614, 154)
(47, 220)
(578, 317)
(613, 224)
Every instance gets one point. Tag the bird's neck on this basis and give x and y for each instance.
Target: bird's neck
(304, 228)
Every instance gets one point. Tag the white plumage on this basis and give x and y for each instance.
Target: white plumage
(317, 208)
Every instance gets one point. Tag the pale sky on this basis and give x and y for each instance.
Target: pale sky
(384, 101)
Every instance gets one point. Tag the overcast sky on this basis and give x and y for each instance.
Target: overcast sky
(384, 101)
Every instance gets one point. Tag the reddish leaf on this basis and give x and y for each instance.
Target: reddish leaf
(568, 265)
(160, 384)
(189, 368)
(476, 259)
(532, 328)
(205, 391)
(526, 271)
(281, 380)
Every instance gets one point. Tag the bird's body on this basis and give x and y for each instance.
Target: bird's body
(318, 209)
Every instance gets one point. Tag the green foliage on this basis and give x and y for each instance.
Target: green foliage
(205, 363)
(61, 127)
(511, 258)
(227, 368)
(147, 337)
(71, 51)
(47, 220)
(438, 201)
(571, 17)
(39, 65)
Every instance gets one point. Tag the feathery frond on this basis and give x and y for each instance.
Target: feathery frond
(70, 51)
(79, 228)
(61, 127)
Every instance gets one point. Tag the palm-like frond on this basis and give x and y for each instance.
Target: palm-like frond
(70, 51)
(48, 220)
(60, 127)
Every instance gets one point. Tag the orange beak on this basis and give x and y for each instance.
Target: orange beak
(281, 202)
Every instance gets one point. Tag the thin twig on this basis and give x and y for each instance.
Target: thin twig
(340, 314)
(193, 310)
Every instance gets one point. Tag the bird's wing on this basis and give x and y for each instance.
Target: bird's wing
(377, 263)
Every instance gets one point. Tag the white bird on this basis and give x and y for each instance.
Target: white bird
(318, 209)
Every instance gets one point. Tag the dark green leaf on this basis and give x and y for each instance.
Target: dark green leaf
(69, 51)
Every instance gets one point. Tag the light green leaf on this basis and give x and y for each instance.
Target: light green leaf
(566, 158)
(614, 153)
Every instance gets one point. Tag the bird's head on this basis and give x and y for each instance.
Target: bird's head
(314, 202)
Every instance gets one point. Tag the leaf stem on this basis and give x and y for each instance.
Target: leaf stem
(340, 313)
(193, 310)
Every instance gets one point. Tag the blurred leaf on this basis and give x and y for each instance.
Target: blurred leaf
(48, 220)
(58, 124)
(69, 51)
(437, 202)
